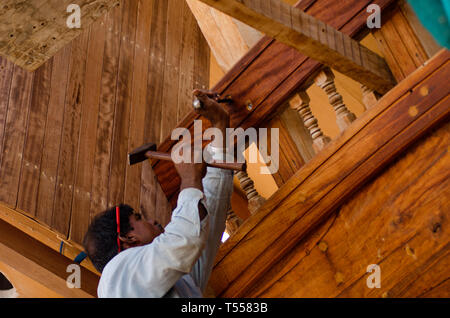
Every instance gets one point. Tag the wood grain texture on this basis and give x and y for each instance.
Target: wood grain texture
(70, 136)
(324, 183)
(290, 160)
(138, 99)
(268, 75)
(397, 221)
(33, 31)
(222, 33)
(400, 45)
(52, 137)
(82, 194)
(32, 151)
(14, 135)
(123, 93)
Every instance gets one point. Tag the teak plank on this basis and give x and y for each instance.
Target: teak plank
(155, 86)
(52, 136)
(138, 100)
(70, 135)
(33, 149)
(290, 26)
(6, 71)
(14, 135)
(172, 66)
(186, 64)
(100, 181)
(82, 195)
(326, 181)
(123, 104)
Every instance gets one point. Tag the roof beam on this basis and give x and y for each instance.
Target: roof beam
(42, 264)
(311, 37)
(221, 33)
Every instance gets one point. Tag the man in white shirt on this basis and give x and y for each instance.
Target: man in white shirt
(146, 260)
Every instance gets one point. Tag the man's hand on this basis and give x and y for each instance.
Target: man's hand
(191, 175)
(212, 110)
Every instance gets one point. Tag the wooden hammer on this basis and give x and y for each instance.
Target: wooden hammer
(148, 151)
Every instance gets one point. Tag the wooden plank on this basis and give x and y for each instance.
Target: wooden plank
(326, 181)
(426, 39)
(14, 135)
(400, 45)
(282, 73)
(190, 34)
(286, 24)
(32, 32)
(75, 93)
(409, 38)
(42, 264)
(84, 169)
(290, 160)
(222, 34)
(123, 105)
(388, 223)
(172, 66)
(156, 69)
(299, 133)
(34, 142)
(52, 136)
(6, 71)
(138, 99)
(100, 181)
(43, 234)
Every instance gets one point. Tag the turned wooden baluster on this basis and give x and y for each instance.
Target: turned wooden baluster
(325, 80)
(310, 122)
(233, 222)
(255, 201)
(370, 97)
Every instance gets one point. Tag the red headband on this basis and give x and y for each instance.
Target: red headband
(118, 227)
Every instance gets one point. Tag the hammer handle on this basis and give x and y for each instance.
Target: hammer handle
(227, 166)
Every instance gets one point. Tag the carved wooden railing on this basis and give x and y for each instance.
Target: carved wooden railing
(325, 79)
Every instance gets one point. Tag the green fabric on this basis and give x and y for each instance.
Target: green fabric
(435, 16)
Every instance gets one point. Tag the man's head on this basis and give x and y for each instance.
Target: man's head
(100, 240)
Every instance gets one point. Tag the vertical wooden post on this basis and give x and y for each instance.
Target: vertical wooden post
(325, 80)
(370, 97)
(311, 123)
(255, 201)
(233, 222)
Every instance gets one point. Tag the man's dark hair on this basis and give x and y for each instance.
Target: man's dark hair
(100, 241)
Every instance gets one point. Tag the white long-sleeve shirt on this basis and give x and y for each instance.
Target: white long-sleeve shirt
(178, 262)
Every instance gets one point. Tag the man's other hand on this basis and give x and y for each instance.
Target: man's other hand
(212, 110)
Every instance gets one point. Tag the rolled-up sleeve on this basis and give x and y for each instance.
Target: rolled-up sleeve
(218, 187)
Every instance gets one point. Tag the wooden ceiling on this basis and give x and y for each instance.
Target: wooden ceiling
(66, 129)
